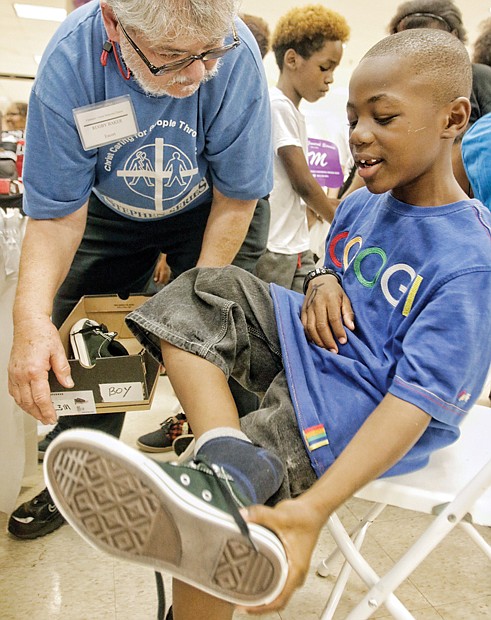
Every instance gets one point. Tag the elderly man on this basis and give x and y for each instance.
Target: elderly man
(148, 132)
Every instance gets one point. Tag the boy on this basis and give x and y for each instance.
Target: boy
(308, 46)
(381, 366)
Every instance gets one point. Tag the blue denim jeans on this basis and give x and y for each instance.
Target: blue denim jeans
(226, 316)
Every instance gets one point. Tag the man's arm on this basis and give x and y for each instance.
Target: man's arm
(47, 253)
(297, 169)
(386, 436)
(226, 230)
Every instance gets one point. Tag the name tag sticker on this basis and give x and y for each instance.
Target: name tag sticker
(73, 403)
(116, 392)
(106, 122)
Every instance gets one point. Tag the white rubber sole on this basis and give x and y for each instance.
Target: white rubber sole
(123, 503)
(77, 341)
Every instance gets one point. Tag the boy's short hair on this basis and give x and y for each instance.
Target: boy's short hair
(260, 29)
(436, 54)
(418, 14)
(306, 30)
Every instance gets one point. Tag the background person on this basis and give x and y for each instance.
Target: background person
(308, 46)
(14, 118)
(482, 45)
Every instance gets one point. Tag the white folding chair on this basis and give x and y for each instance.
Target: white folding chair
(455, 486)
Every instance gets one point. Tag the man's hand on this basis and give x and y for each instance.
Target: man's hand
(36, 349)
(298, 529)
(326, 312)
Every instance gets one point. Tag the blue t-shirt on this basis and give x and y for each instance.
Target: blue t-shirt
(419, 281)
(476, 153)
(220, 136)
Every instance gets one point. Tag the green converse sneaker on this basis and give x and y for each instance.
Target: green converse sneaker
(183, 519)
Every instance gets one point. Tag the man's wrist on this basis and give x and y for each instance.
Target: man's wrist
(319, 271)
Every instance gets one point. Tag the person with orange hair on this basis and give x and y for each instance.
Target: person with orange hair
(308, 46)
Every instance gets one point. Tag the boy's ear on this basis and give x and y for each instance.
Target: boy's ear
(290, 59)
(458, 112)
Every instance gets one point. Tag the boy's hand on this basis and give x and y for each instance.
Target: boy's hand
(298, 529)
(326, 312)
(162, 273)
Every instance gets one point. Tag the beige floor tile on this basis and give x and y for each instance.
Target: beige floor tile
(475, 609)
(456, 569)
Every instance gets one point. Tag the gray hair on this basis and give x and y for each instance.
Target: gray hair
(195, 19)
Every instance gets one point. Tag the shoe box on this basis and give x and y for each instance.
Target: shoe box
(112, 384)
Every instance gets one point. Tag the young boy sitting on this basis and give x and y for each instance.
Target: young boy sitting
(308, 47)
(367, 374)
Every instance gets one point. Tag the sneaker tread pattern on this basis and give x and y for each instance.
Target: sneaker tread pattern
(113, 506)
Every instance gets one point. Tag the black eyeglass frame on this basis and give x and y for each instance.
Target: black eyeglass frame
(177, 65)
(438, 18)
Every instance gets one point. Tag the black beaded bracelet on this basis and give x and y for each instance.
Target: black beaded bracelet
(319, 271)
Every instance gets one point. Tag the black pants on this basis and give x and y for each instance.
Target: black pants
(118, 255)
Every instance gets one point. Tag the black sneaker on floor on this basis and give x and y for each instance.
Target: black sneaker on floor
(182, 519)
(46, 440)
(162, 439)
(37, 517)
(91, 340)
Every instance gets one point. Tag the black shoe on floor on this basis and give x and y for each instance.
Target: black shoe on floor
(162, 439)
(37, 517)
(44, 443)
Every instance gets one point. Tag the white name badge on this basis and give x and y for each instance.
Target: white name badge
(106, 122)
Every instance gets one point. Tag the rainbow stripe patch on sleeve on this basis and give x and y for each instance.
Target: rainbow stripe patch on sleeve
(315, 437)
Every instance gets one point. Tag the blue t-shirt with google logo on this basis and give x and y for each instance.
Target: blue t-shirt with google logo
(419, 281)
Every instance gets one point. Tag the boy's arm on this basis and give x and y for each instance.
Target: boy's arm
(386, 436)
(297, 169)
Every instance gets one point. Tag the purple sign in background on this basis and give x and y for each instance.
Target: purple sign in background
(324, 164)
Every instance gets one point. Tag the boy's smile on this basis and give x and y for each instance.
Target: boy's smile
(395, 133)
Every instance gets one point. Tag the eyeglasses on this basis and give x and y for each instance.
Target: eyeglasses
(177, 65)
(408, 18)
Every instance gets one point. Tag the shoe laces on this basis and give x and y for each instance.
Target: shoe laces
(227, 495)
(100, 330)
(173, 422)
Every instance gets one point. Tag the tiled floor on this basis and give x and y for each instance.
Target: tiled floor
(61, 577)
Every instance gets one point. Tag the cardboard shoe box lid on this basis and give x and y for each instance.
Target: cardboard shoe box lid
(113, 384)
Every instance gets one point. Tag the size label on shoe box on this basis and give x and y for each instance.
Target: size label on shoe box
(73, 403)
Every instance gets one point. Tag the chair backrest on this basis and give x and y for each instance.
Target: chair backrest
(447, 473)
